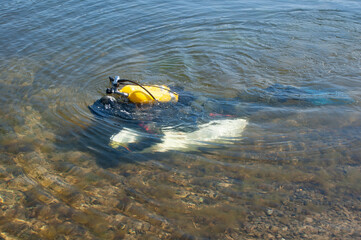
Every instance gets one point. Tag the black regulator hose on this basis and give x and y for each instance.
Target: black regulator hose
(135, 83)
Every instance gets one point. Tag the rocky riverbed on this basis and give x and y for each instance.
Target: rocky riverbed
(65, 195)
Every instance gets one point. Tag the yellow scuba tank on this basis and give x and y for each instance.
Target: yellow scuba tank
(158, 93)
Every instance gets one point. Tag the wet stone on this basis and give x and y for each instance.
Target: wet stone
(269, 212)
(66, 228)
(284, 229)
(308, 220)
(274, 229)
(138, 226)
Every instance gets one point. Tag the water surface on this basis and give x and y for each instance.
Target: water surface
(294, 174)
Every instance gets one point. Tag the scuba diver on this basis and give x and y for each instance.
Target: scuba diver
(154, 118)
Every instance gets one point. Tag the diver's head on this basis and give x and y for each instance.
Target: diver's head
(108, 101)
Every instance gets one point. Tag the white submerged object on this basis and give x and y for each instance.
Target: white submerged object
(214, 132)
(124, 137)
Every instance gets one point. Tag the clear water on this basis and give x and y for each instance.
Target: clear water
(60, 178)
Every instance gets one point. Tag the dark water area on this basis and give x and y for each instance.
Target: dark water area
(291, 70)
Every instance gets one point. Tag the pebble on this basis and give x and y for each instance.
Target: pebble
(270, 236)
(138, 226)
(308, 220)
(269, 212)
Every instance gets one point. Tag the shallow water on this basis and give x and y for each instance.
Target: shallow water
(295, 173)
